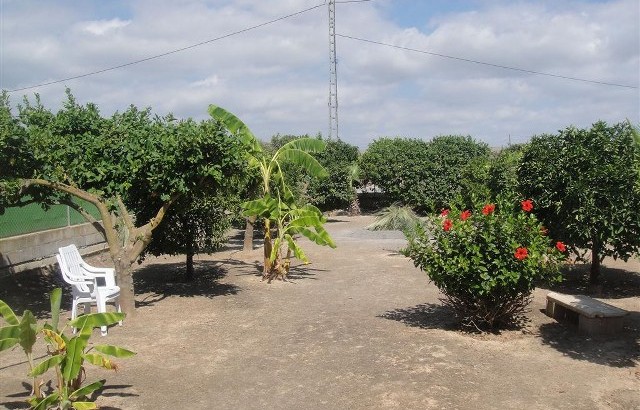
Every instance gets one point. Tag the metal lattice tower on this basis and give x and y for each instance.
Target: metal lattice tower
(333, 73)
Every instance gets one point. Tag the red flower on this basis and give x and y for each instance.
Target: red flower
(561, 246)
(488, 209)
(447, 224)
(444, 212)
(521, 253)
(465, 215)
(527, 205)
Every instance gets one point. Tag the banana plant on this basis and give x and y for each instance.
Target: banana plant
(291, 222)
(66, 356)
(297, 151)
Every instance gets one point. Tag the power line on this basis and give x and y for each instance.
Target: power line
(172, 51)
(468, 60)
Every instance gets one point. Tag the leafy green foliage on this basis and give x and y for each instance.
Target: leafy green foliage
(197, 223)
(277, 204)
(427, 175)
(503, 172)
(487, 261)
(132, 166)
(400, 167)
(335, 190)
(584, 183)
(290, 221)
(395, 217)
(66, 355)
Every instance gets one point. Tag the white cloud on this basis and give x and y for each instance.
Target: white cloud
(276, 77)
(102, 27)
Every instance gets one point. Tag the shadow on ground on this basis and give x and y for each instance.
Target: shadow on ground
(30, 290)
(154, 282)
(608, 350)
(614, 283)
(424, 316)
(160, 280)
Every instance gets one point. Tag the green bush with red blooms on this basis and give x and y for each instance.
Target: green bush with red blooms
(487, 261)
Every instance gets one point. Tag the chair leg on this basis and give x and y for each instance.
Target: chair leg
(101, 304)
(119, 309)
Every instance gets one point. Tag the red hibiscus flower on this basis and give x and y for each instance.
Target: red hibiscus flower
(561, 246)
(447, 224)
(527, 205)
(465, 215)
(521, 253)
(444, 212)
(488, 209)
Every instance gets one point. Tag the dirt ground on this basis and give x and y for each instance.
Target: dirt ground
(359, 328)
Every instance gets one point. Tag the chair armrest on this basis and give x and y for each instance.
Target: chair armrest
(108, 274)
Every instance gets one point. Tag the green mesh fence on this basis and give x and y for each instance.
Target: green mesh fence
(32, 218)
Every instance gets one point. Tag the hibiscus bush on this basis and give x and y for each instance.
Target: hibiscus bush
(487, 261)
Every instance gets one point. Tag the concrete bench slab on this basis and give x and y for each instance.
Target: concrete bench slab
(592, 316)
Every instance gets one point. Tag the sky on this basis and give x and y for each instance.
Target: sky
(405, 68)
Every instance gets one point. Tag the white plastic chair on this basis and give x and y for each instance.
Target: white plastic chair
(89, 285)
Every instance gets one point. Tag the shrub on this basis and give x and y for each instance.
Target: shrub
(487, 261)
(395, 217)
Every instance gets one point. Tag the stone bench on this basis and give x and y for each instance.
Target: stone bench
(591, 315)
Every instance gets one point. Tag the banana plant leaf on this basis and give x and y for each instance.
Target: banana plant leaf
(86, 390)
(45, 365)
(56, 300)
(7, 313)
(27, 331)
(114, 351)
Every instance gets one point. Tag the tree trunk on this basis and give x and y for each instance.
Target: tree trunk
(188, 274)
(594, 272)
(267, 248)
(127, 294)
(248, 234)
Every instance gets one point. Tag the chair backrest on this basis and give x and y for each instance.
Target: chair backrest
(72, 257)
(69, 260)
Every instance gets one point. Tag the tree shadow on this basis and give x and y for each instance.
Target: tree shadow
(105, 391)
(12, 405)
(619, 350)
(303, 272)
(425, 316)
(615, 283)
(30, 290)
(158, 281)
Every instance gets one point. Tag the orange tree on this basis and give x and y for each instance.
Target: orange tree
(586, 187)
(121, 165)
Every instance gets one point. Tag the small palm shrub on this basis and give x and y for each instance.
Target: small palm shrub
(487, 261)
(395, 217)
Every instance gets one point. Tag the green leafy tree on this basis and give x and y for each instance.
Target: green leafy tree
(427, 175)
(196, 223)
(584, 183)
(277, 198)
(121, 165)
(398, 166)
(503, 172)
(337, 190)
